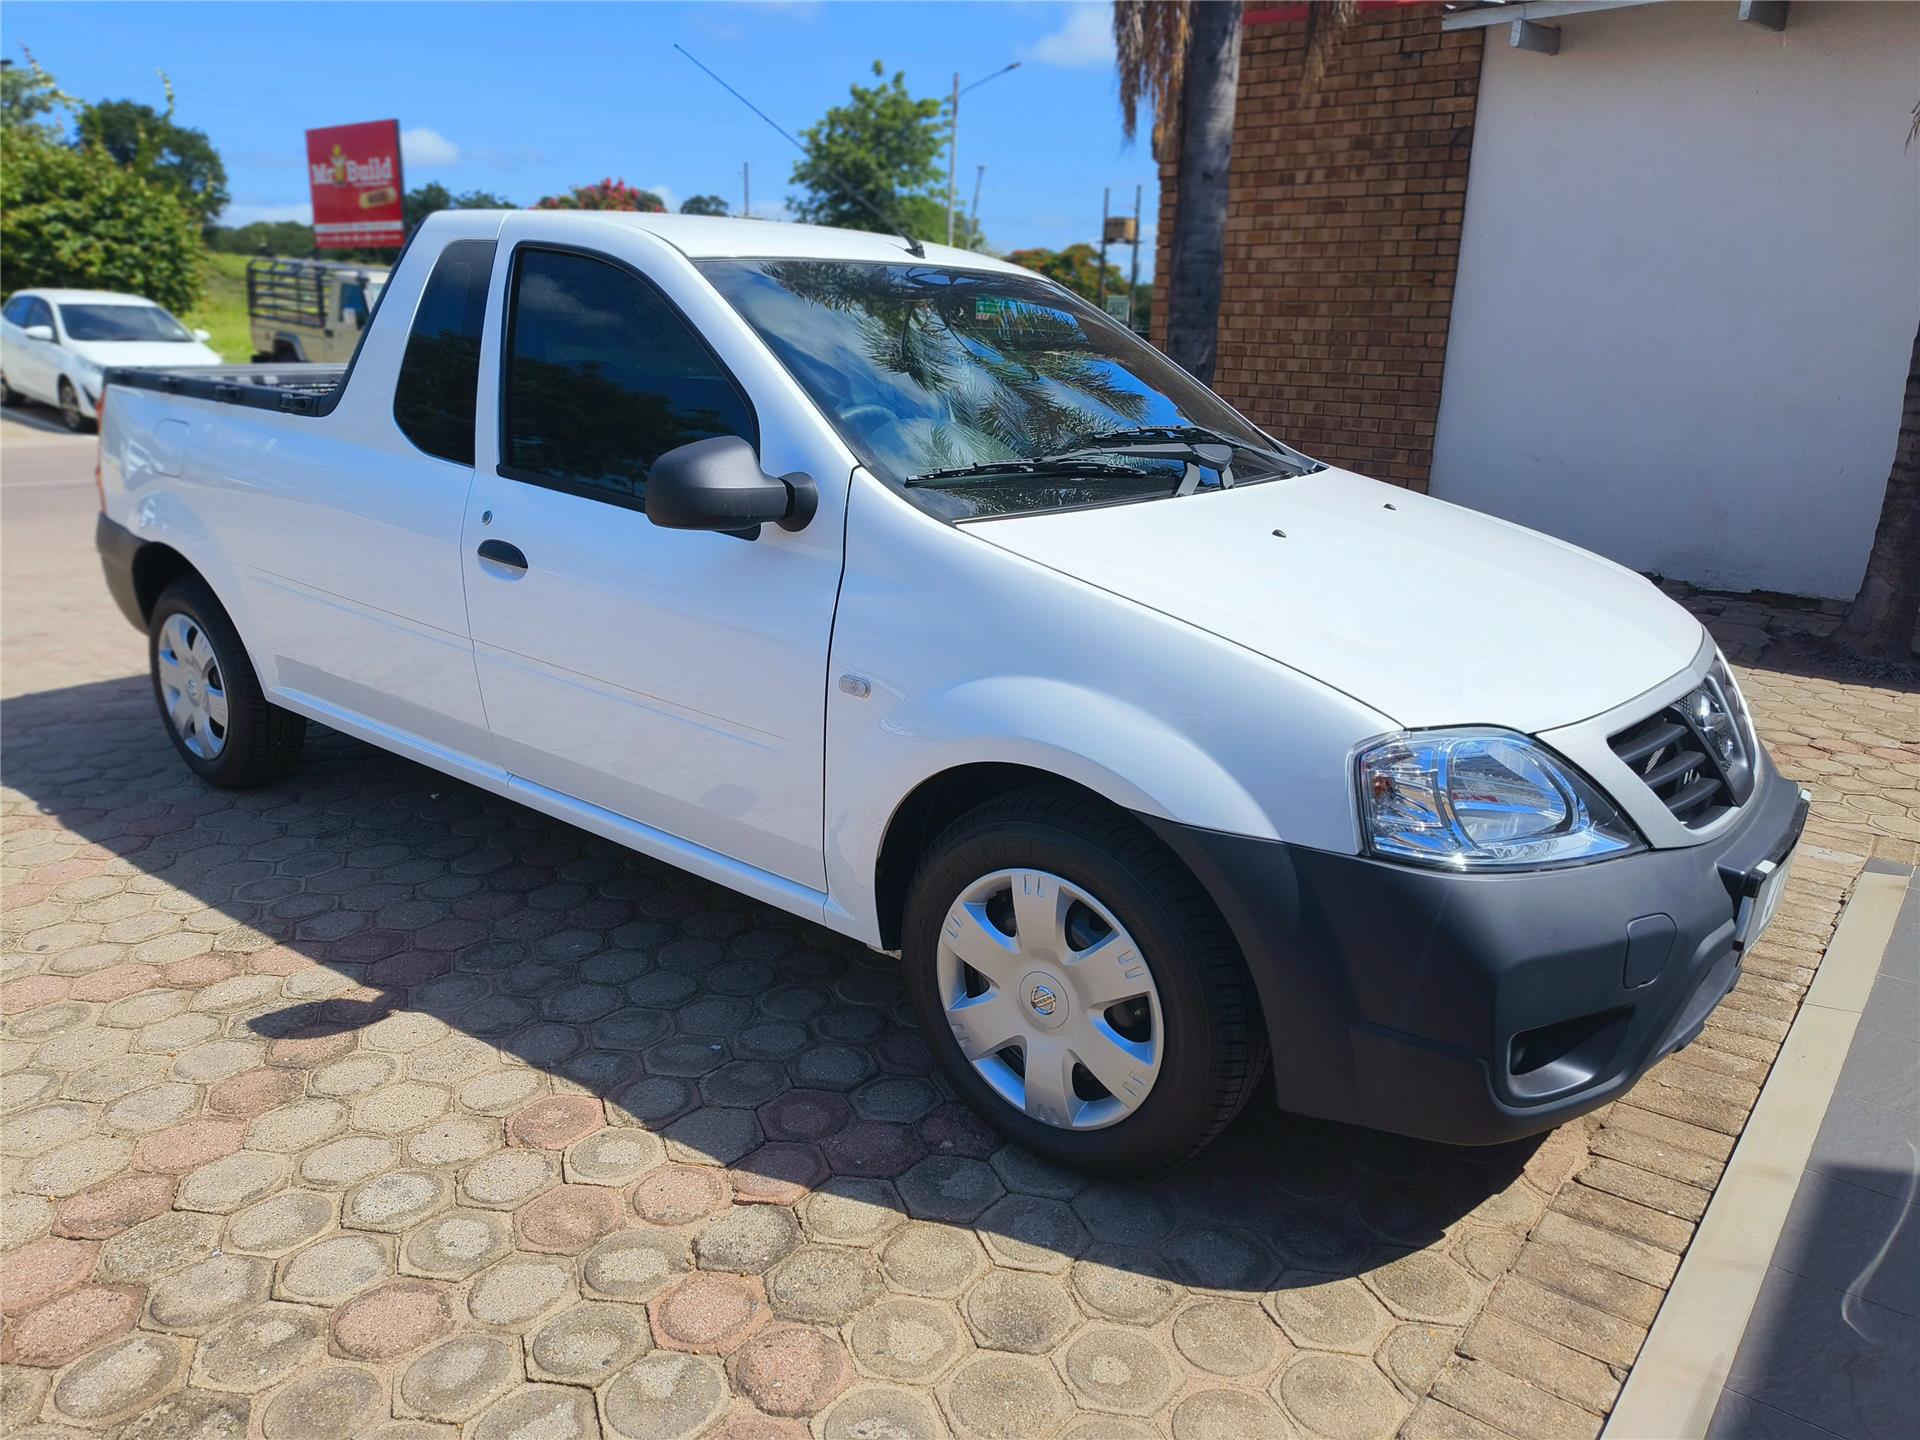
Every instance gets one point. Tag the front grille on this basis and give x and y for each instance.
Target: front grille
(1693, 754)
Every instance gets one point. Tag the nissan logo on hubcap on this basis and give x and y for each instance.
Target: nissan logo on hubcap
(1043, 1000)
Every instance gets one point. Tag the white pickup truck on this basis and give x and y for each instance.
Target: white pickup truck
(905, 591)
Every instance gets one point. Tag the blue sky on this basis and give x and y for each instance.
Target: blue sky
(527, 99)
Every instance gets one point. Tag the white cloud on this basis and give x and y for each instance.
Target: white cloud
(665, 194)
(237, 215)
(1085, 38)
(428, 149)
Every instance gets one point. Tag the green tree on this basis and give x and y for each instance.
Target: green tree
(882, 147)
(26, 94)
(142, 139)
(1077, 267)
(433, 197)
(606, 194)
(704, 205)
(74, 217)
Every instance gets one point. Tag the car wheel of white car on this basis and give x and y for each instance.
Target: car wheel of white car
(71, 415)
(1077, 987)
(9, 396)
(210, 700)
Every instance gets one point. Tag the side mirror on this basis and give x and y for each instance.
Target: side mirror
(203, 336)
(718, 484)
(39, 332)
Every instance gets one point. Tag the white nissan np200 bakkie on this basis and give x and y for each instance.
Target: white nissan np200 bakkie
(901, 589)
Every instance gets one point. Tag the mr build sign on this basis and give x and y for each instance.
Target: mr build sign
(355, 174)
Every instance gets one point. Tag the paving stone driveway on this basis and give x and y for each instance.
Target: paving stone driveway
(369, 1105)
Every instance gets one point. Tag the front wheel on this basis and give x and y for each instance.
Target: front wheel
(9, 396)
(216, 714)
(71, 415)
(1077, 987)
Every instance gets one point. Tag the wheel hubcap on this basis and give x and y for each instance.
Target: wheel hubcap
(1050, 999)
(192, 686)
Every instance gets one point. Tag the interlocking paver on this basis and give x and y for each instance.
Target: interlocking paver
(791, 1370)
(540, 1412)
(259, 1348)
(325, 1404)
(589, 1342)
(120, 1379)
(235, 1031)
(392, 1320)
(709, 1312)
(900, 1338)
(665, 1396)
(459, 1377)
(634, 1264)
(193, 1300)
(70, 1325)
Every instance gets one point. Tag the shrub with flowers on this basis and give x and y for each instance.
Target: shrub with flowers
(608, 194)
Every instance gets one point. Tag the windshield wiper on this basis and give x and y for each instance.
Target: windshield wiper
(1170, 434)
(1067, 466)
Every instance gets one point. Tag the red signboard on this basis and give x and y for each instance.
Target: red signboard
(357, 190)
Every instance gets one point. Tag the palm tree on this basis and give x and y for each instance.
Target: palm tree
(1184, 57)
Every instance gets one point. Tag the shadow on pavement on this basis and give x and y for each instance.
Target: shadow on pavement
(741, 1035)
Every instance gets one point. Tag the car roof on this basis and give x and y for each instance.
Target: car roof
(89, 297)
(703, 237)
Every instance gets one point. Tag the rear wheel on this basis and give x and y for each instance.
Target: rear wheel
(216, 714)
(1077, 987)
(71, 415)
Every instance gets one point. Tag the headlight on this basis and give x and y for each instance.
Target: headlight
(1483, 800)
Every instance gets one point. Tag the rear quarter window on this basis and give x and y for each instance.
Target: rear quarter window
(433, 399)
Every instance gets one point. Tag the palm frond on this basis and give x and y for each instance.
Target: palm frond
(1150, 45)
(1327, 21)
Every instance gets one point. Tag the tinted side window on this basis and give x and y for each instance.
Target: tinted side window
(440, 373)
(39, 313)
(604, 377)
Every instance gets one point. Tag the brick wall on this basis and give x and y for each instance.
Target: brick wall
(1342, 236)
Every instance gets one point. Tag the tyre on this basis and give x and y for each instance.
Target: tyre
(71, 414)
(1077, 987)
(209, 697)
(9, 396)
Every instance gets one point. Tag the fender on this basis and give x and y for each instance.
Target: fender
(1115, 749)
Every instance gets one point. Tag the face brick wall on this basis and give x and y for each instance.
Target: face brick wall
(1342, 235)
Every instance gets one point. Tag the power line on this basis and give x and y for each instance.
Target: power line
(914, 248)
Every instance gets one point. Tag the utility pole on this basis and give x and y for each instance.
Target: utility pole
(1106, 197)
(953, 135)
(1133, 281)
(953, 152)
(973, 227)
(746, 191)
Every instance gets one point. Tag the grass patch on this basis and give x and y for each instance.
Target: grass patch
(222, 310)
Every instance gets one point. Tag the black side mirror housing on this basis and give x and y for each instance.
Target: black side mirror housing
(717, 484)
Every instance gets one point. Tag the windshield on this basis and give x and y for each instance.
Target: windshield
(980, 393)
(121, 322)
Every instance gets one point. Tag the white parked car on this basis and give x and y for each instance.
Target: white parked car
(56, 344)
(903, 590)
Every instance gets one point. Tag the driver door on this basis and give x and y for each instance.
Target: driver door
(674, 678)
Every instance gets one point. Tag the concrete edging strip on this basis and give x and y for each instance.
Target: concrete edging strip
(1675, 1383)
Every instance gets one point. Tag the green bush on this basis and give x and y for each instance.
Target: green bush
(74, 217)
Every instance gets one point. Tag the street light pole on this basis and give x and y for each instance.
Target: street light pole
(953, 150)
(953, 135)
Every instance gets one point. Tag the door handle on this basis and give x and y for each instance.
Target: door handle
(500, 552)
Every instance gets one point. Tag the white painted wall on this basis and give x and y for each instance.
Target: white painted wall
(1689, 281)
